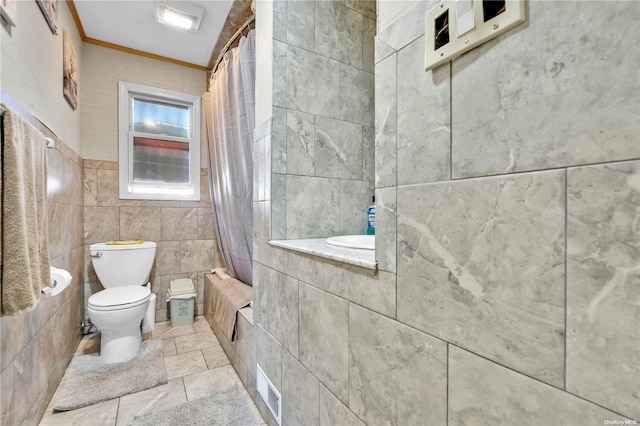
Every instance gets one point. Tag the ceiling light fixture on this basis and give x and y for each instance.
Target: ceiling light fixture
(187, 17)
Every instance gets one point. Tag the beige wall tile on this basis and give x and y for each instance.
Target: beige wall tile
(179, 224)
(205, 196)
(168, 257)
(140, 222)
(108, 190)
(101, 224)
(90, 184)
(63, 220)
(197, 255)
(7, 395)
(206, 225)
(100, 164)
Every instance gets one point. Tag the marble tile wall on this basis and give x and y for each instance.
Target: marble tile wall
(507, 191)
(472, 282)
(323, 139)
(184, 232)
(38, 345)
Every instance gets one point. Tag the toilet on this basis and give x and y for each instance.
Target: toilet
(118, 310)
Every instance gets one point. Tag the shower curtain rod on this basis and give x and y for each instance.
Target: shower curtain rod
(233, 38)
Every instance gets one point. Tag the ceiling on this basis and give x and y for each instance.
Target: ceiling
(133, 24)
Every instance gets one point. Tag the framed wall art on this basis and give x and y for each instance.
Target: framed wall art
(8, 11)
(49, 9)
(69, 71)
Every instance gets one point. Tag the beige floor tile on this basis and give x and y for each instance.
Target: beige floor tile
(210, 382)
(201, 324)
(100, 414)
(185, 364)
(215, 357)
(149, 400)
(192, 342)
(165, 331)
(169, 346)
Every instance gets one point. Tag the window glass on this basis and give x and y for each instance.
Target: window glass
(156, 160)
(160, 118)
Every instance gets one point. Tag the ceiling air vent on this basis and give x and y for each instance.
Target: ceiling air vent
(269, 394)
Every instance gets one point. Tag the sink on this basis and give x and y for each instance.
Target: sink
(366, 242)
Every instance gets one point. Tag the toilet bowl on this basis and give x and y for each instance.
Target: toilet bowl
(118, 313)
(118, 310)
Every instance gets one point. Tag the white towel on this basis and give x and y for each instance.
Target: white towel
(25, 251)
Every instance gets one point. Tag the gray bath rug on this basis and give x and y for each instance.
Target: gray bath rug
(88, 381)
(228, 408)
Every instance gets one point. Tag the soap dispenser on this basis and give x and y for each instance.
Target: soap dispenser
(371, 212)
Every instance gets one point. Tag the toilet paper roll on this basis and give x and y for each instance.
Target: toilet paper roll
(60, 279)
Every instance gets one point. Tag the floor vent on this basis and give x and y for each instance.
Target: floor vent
(269, 394)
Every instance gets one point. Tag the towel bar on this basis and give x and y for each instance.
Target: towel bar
(51, 143)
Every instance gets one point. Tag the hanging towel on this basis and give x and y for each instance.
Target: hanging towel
(227, 297)
(25, 252)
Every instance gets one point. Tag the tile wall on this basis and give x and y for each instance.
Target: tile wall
(38, 345)
(322, 139)
(507, 192)
(184, 231)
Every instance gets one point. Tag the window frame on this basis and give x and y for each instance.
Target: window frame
(130, 190)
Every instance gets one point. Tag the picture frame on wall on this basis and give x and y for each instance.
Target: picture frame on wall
(69, 71)
(8, 11)
(49, 9)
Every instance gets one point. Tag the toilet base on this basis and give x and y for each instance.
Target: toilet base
(120, 345)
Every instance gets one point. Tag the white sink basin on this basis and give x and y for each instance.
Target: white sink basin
(366, 242)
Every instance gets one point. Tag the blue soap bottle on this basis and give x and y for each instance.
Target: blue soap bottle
(371, 213)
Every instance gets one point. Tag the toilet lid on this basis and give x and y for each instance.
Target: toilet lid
(119, 297)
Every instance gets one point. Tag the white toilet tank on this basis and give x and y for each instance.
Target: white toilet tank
(123, 265)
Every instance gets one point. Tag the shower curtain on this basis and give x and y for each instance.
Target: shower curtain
(229, 107)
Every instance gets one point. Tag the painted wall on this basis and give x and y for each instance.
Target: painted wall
(322, 129)
(35, 80)
(103, 68)
(38, 345)
(507, 198)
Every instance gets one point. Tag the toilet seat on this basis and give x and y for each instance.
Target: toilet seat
(117, 298)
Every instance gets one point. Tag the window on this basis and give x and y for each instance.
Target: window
(159, 144)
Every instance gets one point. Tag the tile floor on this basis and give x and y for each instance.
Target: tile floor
(196, 367)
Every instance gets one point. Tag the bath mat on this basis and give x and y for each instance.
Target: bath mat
(228, 408)
(88, 381)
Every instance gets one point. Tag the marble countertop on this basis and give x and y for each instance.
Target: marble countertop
(319, 247)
